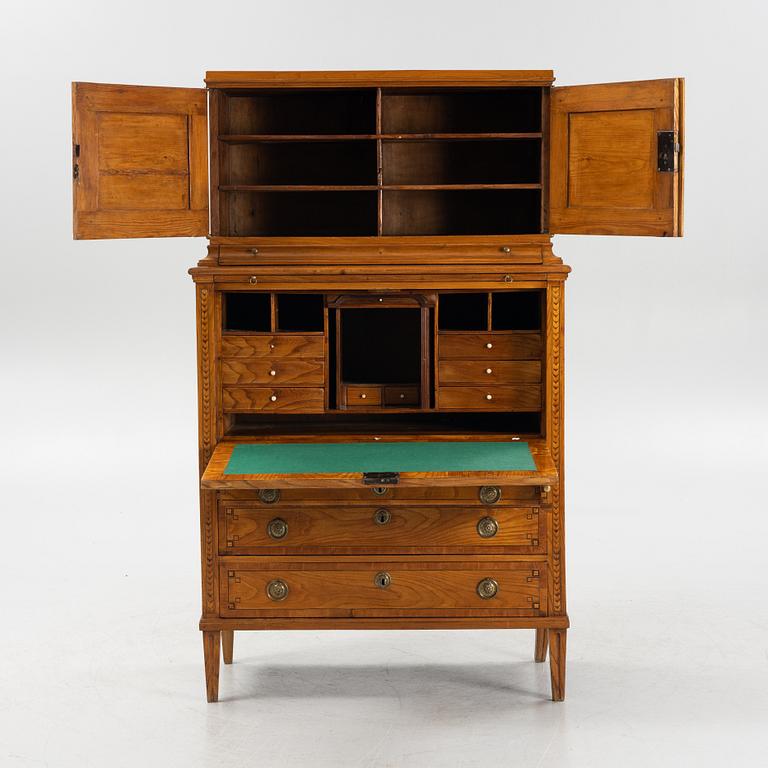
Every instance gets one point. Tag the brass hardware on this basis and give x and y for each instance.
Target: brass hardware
(277, 528)
(505, 249)
(382, 516)
(487, 527)
(277, 590)
(363, 396)
(381, 478)
(273, 398)
(379, 491)
(253, 279)
(487, 588)
(489, 371)
(269, 495)
(489, 397)
(382, 580)
(255, 251)
(489, 345)
(507, 278)
(273, 372)
(490, 494)
(546, 488)
(76, 172)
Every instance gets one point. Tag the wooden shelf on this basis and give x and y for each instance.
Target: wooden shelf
(243, 138)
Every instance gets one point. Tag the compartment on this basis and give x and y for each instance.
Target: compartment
(299, 162)
(253, 528)
(487, 110)
(461, 212)
(247, 312)
(348, 111)
(513, 161)
(516, 310)
(300, 312)
(300, 214)
(382, 587)
(462, 312)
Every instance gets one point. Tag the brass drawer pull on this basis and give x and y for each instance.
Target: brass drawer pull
(277, 590)
(490, 494)
(487, 527)
(487, 588)
(382, 580)
(382, 516)
(277, 528)
(269, 495)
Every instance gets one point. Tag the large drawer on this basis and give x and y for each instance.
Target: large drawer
(272, 372)
(272, 345)
(252, 529)
(484, 372)
(515, 345)
(288, 399)
(520, 397)
(404, 586)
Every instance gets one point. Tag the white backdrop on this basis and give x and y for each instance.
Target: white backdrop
(100, 659)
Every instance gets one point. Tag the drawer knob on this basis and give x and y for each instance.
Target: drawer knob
(487, 588)
(382, 516)
(255, 251)
(490, 494)
(382, 580)
(269, 495)
(489, 397)
(489, 345)
(253, 279)
(489, 371)
(505, 249)
(507, 278)
(277, 528)
(273, 372)
(363, 396)
(487, 527)
(277, 590)
(273, 398)
(402, 396)
(271, 346)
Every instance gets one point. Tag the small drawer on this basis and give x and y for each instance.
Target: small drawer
(523, 397)
(251, 529)
(273, 345)
(482, 372)
(288, 399)
(515, 345)
(406, 586)
(277, 371)
(395, 396)
(361, 396)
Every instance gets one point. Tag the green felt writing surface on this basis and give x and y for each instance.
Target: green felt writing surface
(332, 458)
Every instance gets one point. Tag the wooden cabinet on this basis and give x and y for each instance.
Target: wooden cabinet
(380, 324)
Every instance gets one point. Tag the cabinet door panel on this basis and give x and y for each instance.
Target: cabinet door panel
(140, 165)
(604, 159)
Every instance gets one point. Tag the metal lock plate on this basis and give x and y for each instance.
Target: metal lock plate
(487, 588)
(382, 516)
(382, 580)
(490, 494)
(269, 495)
(277, 528)
(277, 590)
(487, 527)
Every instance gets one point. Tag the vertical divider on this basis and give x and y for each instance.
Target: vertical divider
(379, 168)
(273, 312)
(544, 149)
(490, 311)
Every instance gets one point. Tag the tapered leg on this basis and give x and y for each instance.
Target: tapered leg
(227, 643)
(557, 663)
(211, 644)
(542, 638)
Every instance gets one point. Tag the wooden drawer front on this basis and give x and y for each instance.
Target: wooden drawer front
(253, 530)
(287, 345)
(351, 587)
(288, 399)
(273, 372)
(523, 397)
(362, 396)
(401, 396)
(464, 496)
(482, 372)
(518, 345)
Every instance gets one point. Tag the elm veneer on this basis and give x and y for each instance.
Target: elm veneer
(429, 192)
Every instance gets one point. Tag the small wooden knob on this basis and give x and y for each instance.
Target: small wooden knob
(273, 398)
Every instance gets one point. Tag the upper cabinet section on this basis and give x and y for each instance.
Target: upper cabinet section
(140, 161)
(616, 159)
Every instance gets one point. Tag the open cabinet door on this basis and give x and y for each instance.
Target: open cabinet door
(616, 162)
(140, 161)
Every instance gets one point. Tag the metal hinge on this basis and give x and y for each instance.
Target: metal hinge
(668, 148)
(76, 166)
(381, 478)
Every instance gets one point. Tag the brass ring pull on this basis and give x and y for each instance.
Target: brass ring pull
(382, 516)
(277, 590)
(277, 528)
(382, 580)
(253, 279)
(487, 588)
(487, 527)
(269, 495)
(490, 494)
